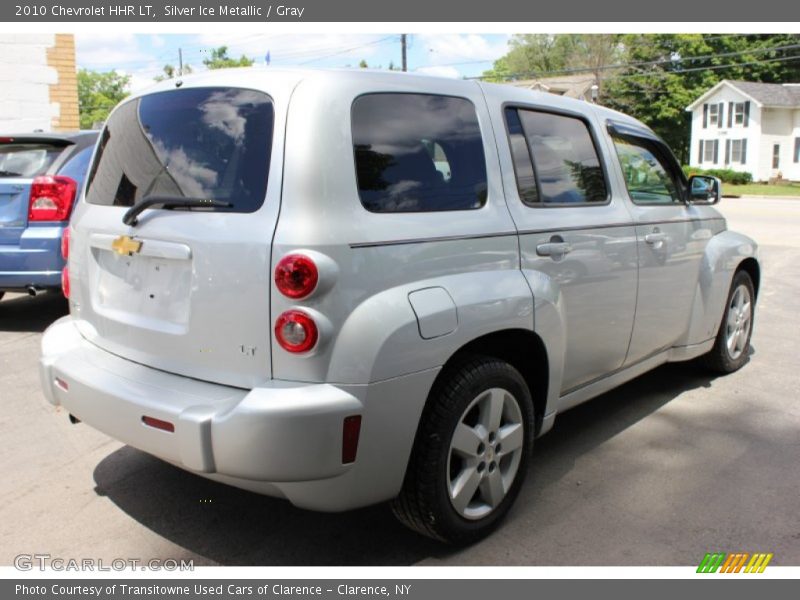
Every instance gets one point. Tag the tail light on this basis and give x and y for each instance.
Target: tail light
(296, 331)
(296, 276)
(65, 281)
(51, 198)
(65, 244)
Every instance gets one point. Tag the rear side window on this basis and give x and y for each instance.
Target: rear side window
(555, 159)
(208, 143)
(26, 160)
(418, 153)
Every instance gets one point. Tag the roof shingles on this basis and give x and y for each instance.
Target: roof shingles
(771, 94)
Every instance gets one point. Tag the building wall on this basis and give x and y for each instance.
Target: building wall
(38, 83)
(64, 92)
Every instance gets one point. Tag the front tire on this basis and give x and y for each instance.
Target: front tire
(471, 453)
(732, 347)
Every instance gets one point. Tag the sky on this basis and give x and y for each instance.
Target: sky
(142, 56)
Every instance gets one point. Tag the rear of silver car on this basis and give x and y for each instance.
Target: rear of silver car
(167, 347)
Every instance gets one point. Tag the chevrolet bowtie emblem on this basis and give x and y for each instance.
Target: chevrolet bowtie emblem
(126, 246)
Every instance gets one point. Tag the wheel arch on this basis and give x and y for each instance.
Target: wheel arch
(523, 349)
(753, 269)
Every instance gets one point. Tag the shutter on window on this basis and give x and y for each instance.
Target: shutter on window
(744, 151)
(730, 115)
(705, 116)
(719, 114)
(700, 156)
(797, 149)
(727, 152)
(716, 151)
(746, 112)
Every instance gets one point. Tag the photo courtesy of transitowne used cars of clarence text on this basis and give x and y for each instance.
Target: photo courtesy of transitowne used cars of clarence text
(347, 287)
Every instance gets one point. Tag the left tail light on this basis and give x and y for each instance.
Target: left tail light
(296, 331)
(51, 198)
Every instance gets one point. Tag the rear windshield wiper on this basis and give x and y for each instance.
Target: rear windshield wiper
(130, 216)
(10, 174)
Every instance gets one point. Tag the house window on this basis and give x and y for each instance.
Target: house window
(713, 114)
(738, 113)
(776, 156)
(736, 151)
(710, 151)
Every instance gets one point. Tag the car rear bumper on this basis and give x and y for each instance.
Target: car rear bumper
(282, 438)
(35, 260)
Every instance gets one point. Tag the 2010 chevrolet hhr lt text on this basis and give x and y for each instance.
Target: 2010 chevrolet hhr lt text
(347, 287)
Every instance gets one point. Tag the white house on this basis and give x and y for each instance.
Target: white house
(747, 126)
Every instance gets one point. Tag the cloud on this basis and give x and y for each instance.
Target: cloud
(442, 71)
(109, 50)
(448, 49)
(291, 49)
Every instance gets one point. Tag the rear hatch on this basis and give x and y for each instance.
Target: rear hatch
(185, 290)
(21, 159)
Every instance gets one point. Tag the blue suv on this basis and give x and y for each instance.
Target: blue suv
(41, 175)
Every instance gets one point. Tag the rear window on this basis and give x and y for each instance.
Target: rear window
(26, 160)
(418, 153)
(208, 143)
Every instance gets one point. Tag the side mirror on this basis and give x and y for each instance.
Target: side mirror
(704, 189)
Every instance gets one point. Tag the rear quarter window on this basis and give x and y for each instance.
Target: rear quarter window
(418, 153)
(209, 143)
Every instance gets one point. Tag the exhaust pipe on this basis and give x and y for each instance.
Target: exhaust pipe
(34, 291)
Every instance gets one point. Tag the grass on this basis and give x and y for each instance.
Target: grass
(761, 189)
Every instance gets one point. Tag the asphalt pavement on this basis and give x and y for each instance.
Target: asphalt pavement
(660, 471)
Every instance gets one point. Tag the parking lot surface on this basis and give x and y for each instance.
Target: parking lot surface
(658, 472)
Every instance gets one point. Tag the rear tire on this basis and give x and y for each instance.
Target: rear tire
(471, 453)
(732, 347)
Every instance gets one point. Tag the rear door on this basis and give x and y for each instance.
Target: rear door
(575, 230)
(185, 291)
(21, 159)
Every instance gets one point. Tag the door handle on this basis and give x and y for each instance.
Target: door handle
(655, 238)
(553, 249)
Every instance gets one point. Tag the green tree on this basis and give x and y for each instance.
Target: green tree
(363, 64)
(219, 59)
(686, 65)
(98, 93)
(171, 71)
(537, 56)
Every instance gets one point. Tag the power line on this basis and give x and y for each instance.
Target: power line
(380, 41)
(620, 66)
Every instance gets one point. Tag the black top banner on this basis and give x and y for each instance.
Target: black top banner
(451, 11)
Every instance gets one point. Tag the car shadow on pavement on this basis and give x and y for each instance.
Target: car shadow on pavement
(23, 313)
(227, 526)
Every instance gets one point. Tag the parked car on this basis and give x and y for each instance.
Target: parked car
(346, 287)
(41, 174)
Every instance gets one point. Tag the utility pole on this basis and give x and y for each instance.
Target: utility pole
(404, 47)
(180, 62)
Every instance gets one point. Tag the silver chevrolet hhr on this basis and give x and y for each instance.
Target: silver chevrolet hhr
(346, 287)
